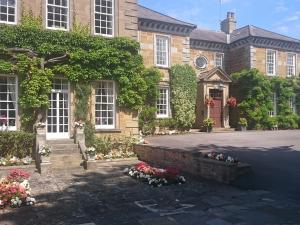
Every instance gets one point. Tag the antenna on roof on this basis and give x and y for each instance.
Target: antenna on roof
(220, 10)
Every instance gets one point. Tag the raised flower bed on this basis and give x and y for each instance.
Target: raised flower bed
(155, 177)
(15, 190)
(197, 163)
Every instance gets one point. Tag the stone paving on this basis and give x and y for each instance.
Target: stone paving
(106, 196)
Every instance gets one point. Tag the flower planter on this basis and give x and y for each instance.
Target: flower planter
(243, 128)
(209, 129)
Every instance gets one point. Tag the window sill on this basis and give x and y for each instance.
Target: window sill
(108, 130)
(162, 67)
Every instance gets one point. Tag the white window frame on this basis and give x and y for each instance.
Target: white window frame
(12, 128)
(273, 112)
(113, 20)
(167, 45)
(167, 115)
(112, 126)
(68, 16)
(274, 52)
(16, 15)
(294, 66)
(217, 54)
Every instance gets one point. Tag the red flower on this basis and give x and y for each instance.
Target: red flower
(172, 172)
(210, 102)
(17, 175)
(232, 102)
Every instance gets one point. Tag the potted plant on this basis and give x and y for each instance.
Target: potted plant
(208, 124)
(44, 152)
(243, 123)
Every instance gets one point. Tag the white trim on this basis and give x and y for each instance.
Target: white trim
(60, 135)
(13, 128)
(167, 115)
(113, 20)
(16, 16)
(295, 64)
(68, 16)
(168, 47)
(275, 62)
(222, 61)
(106, 127)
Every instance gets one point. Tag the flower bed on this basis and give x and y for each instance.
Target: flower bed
(15, 161)
(221, 157)
(155, 177)
(15, 190)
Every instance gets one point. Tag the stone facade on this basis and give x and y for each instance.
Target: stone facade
(82, 12)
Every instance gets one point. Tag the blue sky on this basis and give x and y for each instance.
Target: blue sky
(282, 16)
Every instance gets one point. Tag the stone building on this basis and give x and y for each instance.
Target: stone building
(165, 41)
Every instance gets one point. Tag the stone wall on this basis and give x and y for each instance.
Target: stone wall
(209, 55)
(238, 59)
(82, 12)
(260, 61)
(191, 162)
(179, 50)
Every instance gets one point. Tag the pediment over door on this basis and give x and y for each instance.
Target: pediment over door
(214, 75)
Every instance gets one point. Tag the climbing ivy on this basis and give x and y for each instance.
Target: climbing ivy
(183, 95)
(254, 92)
(82, 93)
(37, 55)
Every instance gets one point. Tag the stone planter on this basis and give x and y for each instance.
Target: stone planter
(242, 128)
(90, 157)
(191, 162)
(209, 129)
(45, 159)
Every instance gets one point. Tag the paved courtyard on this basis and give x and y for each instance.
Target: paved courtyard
(106, 196)
(273, 155)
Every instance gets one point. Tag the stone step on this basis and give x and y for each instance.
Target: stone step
(66, 161)
(64, 146)
(71, 151)
(60, 141)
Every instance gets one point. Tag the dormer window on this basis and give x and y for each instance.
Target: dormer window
(58, 14)
(104, 17)
(8, 11)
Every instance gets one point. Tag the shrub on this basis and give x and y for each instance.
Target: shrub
(243, 122)
(19, 144)
(147, 120)
(183, 95)
(170, 123)
(89, 132)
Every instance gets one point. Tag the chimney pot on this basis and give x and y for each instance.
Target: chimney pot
(229, 24)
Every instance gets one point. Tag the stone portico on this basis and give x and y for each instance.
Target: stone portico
(213, 84)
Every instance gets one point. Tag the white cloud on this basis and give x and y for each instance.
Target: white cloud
(280, 7)
(283, 29)
(292, 18)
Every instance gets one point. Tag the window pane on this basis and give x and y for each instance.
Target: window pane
(105, 105)
(58, 14)
(7, 11)
(162, 50)
(8, 102)
(104, 17)
(162, 103)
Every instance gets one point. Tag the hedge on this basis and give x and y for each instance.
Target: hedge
(19, 144)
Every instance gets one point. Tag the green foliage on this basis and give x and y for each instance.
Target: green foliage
(82, 93)
(255, 99)
(183, 95)
(30, 21)
(89, 132)
(147, 115)
(88, 59)
(170, 123)
(147, 120)
(209, 122)
(19, 144)
(243, 122)
(106, 145)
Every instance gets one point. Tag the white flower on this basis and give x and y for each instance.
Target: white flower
(182, 178)
(45, 150)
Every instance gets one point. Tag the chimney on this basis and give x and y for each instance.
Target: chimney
(229, 24)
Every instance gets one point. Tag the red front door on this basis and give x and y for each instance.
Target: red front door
(216, 112)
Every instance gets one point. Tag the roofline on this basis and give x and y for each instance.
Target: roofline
(181, 21)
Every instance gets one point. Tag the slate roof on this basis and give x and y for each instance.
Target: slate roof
(210, 35)
(254, 31)
(149, 14)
